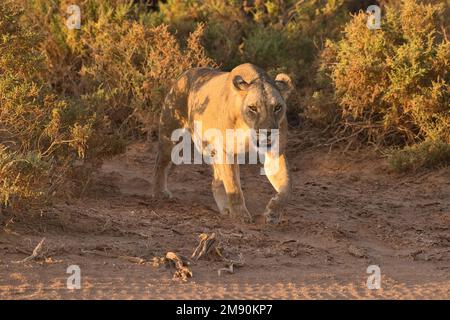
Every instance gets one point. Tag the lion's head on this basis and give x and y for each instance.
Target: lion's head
(262, 99)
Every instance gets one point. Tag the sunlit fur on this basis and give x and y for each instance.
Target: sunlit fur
(221, 100)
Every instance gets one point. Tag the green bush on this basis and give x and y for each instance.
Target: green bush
(78, 94)
(392, 85)
(427, 154)
(119, 64)
(37, 136)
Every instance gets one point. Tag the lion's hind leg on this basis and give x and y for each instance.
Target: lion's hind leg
(162, 167)
(173, 117)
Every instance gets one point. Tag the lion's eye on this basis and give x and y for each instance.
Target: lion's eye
(278, 108)
(253, 109)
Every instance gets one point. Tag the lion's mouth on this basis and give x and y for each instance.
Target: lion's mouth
(263, 141)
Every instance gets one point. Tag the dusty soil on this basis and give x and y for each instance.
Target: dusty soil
(348, 211)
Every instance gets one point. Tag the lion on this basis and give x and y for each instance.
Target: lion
(245, 98)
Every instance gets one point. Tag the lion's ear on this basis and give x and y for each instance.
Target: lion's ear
(240, 83)
(284, 84)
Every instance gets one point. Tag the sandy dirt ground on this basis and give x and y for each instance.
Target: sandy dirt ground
(348, 211)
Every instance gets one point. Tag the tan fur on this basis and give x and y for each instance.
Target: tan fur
(220, 100)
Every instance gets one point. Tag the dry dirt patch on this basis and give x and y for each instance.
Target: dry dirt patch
(347, 212)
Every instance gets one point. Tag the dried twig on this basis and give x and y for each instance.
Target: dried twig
(230, 269)
(132, 259)
(181, 265)
(36, 253)
(231, 264)
(205, 245)
(99, 253)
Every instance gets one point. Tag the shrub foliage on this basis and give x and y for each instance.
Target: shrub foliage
(391, 86)
(75, 96)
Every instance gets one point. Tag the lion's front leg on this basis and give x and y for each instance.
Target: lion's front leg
(276, 169)
(219, 193)
(229, 173)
